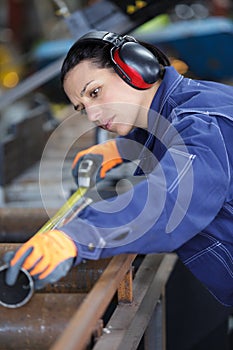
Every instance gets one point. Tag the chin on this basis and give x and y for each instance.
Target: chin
(123, 130)
(122, 133)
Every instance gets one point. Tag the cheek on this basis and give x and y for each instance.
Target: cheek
(125, 118)
(128, 112)
(119, 91)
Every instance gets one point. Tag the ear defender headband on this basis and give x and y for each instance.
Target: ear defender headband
(134, 63)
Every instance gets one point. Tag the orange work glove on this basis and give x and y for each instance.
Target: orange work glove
(105, 154)
(48, 256)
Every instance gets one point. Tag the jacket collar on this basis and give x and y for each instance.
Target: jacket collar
(170, 81)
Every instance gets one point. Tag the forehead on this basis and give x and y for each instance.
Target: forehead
(80, 71)
(78, 77)
(83, 73)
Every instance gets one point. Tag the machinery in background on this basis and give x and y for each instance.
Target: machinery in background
(205, 45)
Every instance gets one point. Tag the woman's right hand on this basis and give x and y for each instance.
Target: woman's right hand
(105, 154)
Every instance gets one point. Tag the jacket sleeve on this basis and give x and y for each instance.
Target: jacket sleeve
(179, 198)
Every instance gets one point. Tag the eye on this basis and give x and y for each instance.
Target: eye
(94, 93)
(79, 108)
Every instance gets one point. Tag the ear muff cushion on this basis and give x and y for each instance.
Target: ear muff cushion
(138, 64)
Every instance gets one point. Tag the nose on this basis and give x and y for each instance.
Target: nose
(93, 113)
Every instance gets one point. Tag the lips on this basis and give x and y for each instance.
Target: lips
(102, 127)
(107, 125)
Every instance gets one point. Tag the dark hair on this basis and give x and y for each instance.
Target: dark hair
(99, 54)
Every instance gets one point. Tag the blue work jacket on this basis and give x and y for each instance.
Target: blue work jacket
(185, 202)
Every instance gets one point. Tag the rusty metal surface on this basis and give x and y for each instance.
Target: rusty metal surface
(78, 332)
(125, 289)
(37, 324)
(80, 278)
(68, 315)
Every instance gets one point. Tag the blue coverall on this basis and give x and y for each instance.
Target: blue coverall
(185, 202)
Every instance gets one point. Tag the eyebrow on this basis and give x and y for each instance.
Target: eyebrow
(85, 87)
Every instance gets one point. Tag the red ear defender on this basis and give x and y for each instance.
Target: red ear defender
(136, 65)
(129, 74)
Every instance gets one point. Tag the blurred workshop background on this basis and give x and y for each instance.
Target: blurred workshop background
(36, 154)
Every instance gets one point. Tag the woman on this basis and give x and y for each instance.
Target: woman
(180, 131)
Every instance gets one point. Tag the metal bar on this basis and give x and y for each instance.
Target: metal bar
(164, 320)
(39, 323)
(78, 332)
(98, 330)
(153, 337)
(128, 323)
(125, 289)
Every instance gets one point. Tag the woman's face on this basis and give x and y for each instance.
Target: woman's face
(108, 101)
